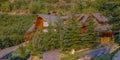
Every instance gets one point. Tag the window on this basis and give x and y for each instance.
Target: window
(45, 30)
(45, 24)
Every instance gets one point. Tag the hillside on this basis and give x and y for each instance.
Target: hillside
(45, 6)
(59, 29)
(30, 6)
(13, 28)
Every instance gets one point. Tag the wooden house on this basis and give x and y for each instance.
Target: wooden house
(43, 20)
(103, 28)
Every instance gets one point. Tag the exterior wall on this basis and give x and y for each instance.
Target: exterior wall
(39, 23)
(106, 37)
(65, 21)
(34, 27)
(83, 29)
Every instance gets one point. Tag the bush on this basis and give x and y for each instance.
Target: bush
(5, 7)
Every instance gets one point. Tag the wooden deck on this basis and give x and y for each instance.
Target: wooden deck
(7, 51)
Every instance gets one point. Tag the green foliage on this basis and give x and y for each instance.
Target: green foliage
(111, 8)
(51, 1)
(107, 6)
(5, 7)
(37, 7)
(22, 52)
(114, 19)
(2, 1)
(88, 6)
(20, 4)
(45, 41)
(115, 22)
(43, 6)
(90, 36)
(33, 7)
(72, 38)
(13, 28)
(60, 32)
(50, 42)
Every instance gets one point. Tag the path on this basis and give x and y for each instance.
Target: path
(7, 51)
(117, 56)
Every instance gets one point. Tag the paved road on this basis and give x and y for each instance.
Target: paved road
(98, 52)
(94, 53)
(117, 56)
(7, 51)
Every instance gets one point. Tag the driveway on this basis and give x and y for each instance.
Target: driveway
(117, 56)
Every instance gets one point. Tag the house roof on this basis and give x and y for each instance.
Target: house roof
(49, 18)
(53, 19)
(85, 18)
(100, 18)
(80, 17)
(102, 27)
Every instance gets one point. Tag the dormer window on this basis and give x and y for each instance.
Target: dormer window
(45, 24)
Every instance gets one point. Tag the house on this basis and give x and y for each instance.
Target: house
(103, 28)
(43, 20)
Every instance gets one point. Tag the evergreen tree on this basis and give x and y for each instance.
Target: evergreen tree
(60, 32)
(111, 9)
(72, 35)
(107, 6)
(5, 7)
(45, 41)
(89, 38)
(115, 22)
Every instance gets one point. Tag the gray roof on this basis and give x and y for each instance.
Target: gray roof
(101, 27)
(49, 18)
(100, 18)
(53, 19)
(80, 17)
(85, 18)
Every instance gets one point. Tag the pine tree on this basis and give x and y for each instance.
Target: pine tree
(89, 38)
(111, 8)
(72, 35)
(46, 41)
(60, 31)
(115, 22)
